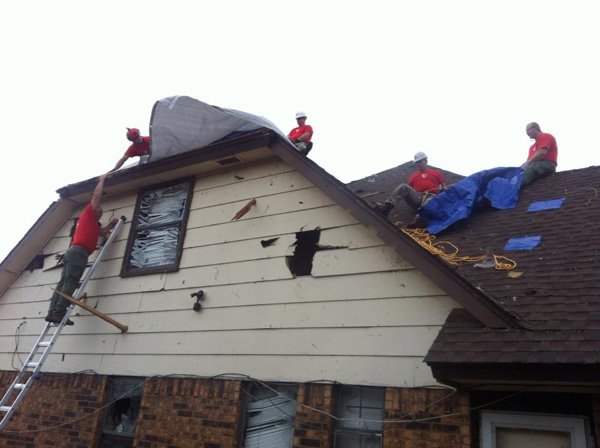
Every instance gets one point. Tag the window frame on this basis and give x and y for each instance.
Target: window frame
(576, 426)
(135, 385)
(339, 431)
(126, 269)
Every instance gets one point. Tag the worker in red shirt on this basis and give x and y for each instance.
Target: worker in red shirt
(542, 157)
(139, 147)
(422, 185)
(301, 135)
(83, 244)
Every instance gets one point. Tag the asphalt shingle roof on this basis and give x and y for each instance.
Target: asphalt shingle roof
(556, 289)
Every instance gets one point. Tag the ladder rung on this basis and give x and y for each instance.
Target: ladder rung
(5, 408)
(19, 386)
(44, 344)
(32, 365)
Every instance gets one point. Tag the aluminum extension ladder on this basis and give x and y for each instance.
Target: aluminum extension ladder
(42, 348)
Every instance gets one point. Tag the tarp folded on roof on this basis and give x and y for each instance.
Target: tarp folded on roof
(179, 124)
(499, 186)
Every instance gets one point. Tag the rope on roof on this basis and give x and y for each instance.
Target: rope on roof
(449, 252)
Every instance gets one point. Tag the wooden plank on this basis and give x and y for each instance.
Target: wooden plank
(407, 341)
(236, 251)
(344, 261)
(95, 312)
(246, 271)
(401, 342)
(358, 370)
(395, 284)
(243, 191)
(355, 237)
(325, 217)
(267, 205)
(245, 172)
(356, 313)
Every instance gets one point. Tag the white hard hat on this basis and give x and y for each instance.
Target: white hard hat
(420, 156)
(300, 115)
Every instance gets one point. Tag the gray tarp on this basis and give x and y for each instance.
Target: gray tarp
(180, 124)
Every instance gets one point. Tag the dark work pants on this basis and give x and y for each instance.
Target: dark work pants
(537, 170)
(75, 261)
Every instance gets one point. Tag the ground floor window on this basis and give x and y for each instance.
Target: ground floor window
(516, 430)
(270, 415)
(125, 397)
(360, 412)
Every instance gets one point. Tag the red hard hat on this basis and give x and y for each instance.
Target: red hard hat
(132, 133)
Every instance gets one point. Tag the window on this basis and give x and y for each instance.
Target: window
(360, 412)
(125, 398)
(158, 229)
(508, 430)
(270, 415)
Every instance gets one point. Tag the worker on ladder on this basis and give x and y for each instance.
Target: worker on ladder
(83, 244)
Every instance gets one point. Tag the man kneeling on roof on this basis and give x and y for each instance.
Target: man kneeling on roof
(75, 260)
(422, 185)
(301, 135)
(541, 160)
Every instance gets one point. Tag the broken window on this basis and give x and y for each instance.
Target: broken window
(270, 415)
(125, 397)
(158, 229)
(360, 411)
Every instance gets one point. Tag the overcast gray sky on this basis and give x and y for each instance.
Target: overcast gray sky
(379, 81)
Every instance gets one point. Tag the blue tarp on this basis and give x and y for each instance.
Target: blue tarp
(524, 243)
(500, 186)
(545, 205)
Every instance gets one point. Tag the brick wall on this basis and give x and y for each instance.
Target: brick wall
(312, 428)
(54, 400)
(188, 412)
(445, 432)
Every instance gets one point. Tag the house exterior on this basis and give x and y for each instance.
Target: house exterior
(316, 318)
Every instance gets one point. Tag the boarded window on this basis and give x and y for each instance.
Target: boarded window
(270, 415)
(125, 398)
(360, 413)
(158, 229)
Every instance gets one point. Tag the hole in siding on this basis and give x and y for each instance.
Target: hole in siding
(37, 262)
(269, 242)
(307, 245)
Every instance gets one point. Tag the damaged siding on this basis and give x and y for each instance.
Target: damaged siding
(363, 316)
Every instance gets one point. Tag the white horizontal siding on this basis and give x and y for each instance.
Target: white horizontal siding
(362, 307)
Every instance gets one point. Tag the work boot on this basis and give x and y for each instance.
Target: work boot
(57, 319)
(384, 209)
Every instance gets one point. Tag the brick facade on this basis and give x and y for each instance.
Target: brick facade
(420, 404)
(188, 412)
(314, 429)
(55, 400)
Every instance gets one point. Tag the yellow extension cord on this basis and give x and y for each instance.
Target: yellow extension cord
(449, 251)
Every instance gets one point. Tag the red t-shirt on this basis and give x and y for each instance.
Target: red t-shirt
(139, 149)
(87, 230)
(426, 181)
(300, 130)
(547, 141)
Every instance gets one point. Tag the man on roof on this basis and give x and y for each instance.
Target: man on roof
(301, 135)
(542, 157)
(422, 185)
(75, 259)
(139, 147)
